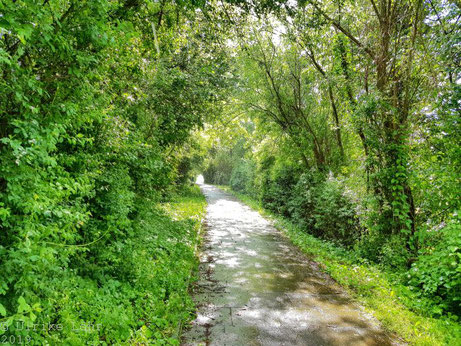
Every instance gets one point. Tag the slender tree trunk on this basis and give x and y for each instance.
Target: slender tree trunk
(336, 118)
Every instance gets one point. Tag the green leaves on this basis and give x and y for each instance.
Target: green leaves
(2, 310)
(90, 132)
(96, 126)
(23, 307)
(437, 271)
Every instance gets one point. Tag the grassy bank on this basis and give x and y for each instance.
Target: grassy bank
(185, 211)
(371, 286)
(134, 292)
(173, 232)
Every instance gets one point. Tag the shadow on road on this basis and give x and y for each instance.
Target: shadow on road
(256, 288)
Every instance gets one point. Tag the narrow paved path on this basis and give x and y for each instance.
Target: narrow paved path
(256, 288)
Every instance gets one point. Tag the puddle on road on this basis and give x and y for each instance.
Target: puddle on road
(256, 288)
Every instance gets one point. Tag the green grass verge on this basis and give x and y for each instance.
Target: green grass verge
(140, 293)
(131, 290)
(187, 207)
(371, 286)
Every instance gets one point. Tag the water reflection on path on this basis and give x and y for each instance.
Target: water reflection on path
(256, 288)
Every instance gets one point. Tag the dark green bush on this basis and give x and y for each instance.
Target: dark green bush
(335, 216)
(277, 189)
(303, 204)
(242, 177)
(437, 272)
(321, 207)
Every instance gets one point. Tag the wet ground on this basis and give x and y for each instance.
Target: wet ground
(256, 288)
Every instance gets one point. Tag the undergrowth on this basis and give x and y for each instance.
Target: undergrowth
(140, 294)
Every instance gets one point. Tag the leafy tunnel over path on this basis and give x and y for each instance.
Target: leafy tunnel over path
(339, 116)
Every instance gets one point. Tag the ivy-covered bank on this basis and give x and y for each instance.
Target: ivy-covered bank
(397, 307)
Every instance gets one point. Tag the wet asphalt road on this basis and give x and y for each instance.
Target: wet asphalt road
(256, 288)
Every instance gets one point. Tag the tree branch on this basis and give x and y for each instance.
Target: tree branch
(376, 10)
(346, 32)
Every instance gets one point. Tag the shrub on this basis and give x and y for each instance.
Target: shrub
(376, 243)
(302, 204)
(437, 272)
(277, 190)
(393, 252)
(334, 214)
(242, 177)
(322, 208)
(134, 290)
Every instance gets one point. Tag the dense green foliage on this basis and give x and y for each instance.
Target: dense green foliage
(97, 105)
(346, 122)
(341, 116)
(401, 309)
